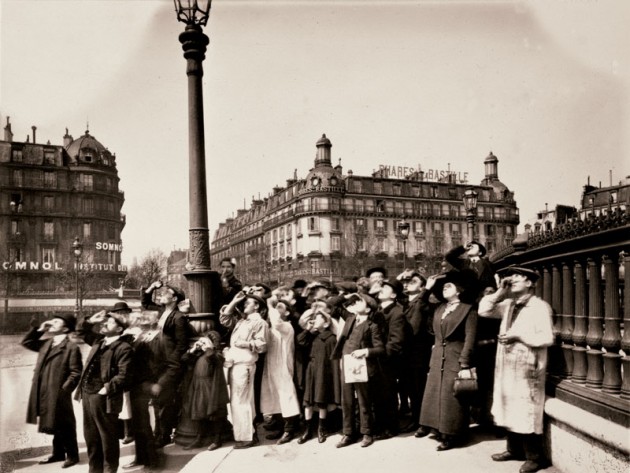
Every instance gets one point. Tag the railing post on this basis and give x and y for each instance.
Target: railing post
(625, 341)
(547, 286)
(539, 286)
(595, 374)
(580, 329)
(567, 318)
(611, 340)
(556, 360)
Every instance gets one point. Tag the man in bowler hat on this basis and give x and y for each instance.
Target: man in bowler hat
(56, 375)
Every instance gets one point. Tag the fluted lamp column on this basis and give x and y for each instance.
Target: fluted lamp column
(204, 285)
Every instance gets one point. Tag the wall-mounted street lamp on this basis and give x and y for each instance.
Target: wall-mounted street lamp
(470, 204)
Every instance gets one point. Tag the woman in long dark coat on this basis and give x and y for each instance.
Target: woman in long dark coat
(454, 325)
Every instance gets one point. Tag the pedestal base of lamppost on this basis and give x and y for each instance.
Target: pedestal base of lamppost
(206, 297)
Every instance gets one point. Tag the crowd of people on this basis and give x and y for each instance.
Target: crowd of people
(372, 357)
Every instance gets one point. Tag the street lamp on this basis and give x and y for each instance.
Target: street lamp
(204, 286)
(77, 250)
(403, 233)
(470, 204)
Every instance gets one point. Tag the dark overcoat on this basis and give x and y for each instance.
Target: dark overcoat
(370, 337)
(419, 337)
(323, 380)
(454, 343)
(56, 375)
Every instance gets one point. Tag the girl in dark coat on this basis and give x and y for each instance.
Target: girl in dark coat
(454, 325)
(207, 395)
(322, 389)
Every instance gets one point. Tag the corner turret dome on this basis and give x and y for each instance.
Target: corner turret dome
(87, 149)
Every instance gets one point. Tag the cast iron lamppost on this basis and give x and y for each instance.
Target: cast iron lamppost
(77, 250)
(470, 204)
(403, 233)
(204, 286)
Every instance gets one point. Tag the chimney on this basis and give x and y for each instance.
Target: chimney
(8, 134)
(34, 128)
(67, 139)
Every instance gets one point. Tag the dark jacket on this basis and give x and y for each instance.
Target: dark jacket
(454, 344)
(56, 375)
(482, 268)
(419, 340)
(394, 330)
(323, 380)
(116, 371)
(371, 338)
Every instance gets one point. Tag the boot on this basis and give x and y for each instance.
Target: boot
(321, 431)
(308, 433)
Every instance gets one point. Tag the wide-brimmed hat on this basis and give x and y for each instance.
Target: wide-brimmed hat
(466, 281)
(377, 269)
(119, 306)
(69, 319)
(528, 273)
(262, 304)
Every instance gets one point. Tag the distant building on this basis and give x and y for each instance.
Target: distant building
(548, 219)
(603, 200)
(175, 268)
(50, 194)
(336, 225)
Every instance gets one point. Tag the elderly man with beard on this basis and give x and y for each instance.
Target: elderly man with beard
(56, 375)
(105, 377)
(248, 339)
(519, 389)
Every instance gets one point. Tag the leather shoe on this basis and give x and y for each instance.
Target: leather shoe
(252, 443)
(367, 441)
(214, 446)
(130, 465)
(505, 456)
(345, 441)
(444, 445)
(421, 432)
(386, 434)
(51, 459)
(70, 462)
(412, 427)
(286, 438)
(532, 466)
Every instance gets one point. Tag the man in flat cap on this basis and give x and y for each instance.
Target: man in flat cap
(105, 377)
(56, 375)
(519, 386)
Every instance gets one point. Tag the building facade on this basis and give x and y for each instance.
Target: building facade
(336, 225)
(50, 195)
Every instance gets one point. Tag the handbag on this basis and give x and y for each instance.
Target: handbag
(465, 389)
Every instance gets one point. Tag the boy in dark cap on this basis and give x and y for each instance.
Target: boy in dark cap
(57, 374)
(361, 337)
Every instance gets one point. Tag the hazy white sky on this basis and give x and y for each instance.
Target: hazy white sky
(544, 84)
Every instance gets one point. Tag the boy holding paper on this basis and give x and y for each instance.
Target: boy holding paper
(361, 339)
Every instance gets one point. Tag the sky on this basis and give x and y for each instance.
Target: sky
(544, 85)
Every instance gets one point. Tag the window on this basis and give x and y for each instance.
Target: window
(357, 186)
(49, 230)
(437, 228)
(289, 248)
(456, 229)
(381, 246)
(491, 230)
(88, 205)
(87, 230)
(418, 228)
(380, 206)
(313, 224)
(88, 158)
(380, 226)
(334, 224)
(335, 243)
(274, 235)
(281, 233)
(49, 157)
(15, 227)
(15, 254)
(454, 210)
(16, 156)
(281, 249)
(48, 255)
(358, 206)
(434, 191)
(289, 231)
(397, 189)
(415, 190)
(359, 223)
(18, 178)
(50, 179)
(378, 188)
(408, 208)
(49, 202)
(87, 182)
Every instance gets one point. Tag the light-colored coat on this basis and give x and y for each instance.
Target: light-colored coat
(277, 394)
(519, 376)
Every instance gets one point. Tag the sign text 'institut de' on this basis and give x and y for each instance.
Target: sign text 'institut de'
(336, 225)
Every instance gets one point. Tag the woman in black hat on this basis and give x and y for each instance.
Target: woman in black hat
(454, 325)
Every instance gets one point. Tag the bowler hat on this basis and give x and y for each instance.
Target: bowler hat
(69, 319)
(528, 273)
(378, 269)
(299, 284)
(118, 306)
(121, 319)
(482, 249)
(395, 285)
